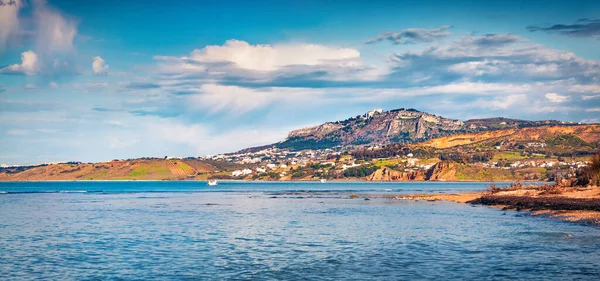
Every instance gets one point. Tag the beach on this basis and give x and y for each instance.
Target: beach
(574, 204)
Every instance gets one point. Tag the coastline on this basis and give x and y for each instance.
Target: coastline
(352, 180)
(580, 205)
(573, 204)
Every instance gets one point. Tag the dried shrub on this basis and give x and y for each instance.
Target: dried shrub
(590, 175)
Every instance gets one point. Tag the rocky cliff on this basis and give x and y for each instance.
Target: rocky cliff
(387, 174)
(374, 127)
(399, 126)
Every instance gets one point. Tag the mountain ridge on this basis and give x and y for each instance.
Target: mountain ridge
(403, 125)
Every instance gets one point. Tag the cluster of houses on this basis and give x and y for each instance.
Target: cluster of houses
(550, 163)
(276, 155)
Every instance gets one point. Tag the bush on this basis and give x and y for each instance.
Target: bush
(361, 171)
(590, 175)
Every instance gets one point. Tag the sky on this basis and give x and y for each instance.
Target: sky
(99, 80)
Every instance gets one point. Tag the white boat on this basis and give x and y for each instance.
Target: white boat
(323, 180)
(212, 182)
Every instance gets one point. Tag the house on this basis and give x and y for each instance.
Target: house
(536, 144)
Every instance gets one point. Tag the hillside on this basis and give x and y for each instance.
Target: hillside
(135, 169)
(394, 126)
(550, 135)
(398, 145)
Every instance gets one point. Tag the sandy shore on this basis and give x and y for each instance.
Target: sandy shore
(569, 204)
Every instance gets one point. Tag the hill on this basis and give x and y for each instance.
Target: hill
(134, 169)
(569, 137)
(402, 126)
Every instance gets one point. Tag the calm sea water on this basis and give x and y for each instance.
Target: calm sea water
(277, 231)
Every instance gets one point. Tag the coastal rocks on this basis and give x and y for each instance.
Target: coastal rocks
(387, 174)
(442, 171)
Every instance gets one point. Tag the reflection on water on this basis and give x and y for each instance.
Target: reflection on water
(250, 235)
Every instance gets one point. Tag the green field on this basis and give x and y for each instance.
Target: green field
(143, 170)
(473, 173)
(508, 156)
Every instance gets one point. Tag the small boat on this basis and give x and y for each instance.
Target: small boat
(323, 180)
(212, 182)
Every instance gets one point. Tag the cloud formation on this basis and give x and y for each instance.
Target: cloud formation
(9, 20)
(581, 28)
(29, 65)
(240, 63)
(54, 31)
(493, 58)
(50, 32)
(412, 36)
(99, 66)
(273, 57)
(556, 98)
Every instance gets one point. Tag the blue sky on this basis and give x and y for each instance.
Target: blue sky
(98, 80)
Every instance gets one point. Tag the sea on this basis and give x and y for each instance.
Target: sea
(187, 230)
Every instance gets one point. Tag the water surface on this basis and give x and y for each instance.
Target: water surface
(282, 231)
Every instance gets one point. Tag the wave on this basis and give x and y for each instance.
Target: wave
(72, 191)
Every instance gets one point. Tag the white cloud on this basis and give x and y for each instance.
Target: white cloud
(594, 109)
(49, 31)
(55, 32)
(9, 20)
(469, 88)
(585, 88)
(205, 141)
(235, 99)
(29, 65)
(273, 57)
(556, 98)
(493, 57)
(99, 66)
(590, 97)
(240, 100)
(53, 85)
(502, 103)
(239, 61)
(30, 86)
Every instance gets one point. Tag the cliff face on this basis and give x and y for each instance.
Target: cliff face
(442, 171)
(375, 127)
(387, 174)
(399, 126)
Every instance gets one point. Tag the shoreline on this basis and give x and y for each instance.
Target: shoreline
(279, 181)
(572, 204)
(580, 205)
